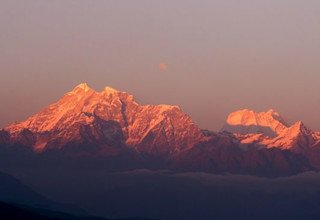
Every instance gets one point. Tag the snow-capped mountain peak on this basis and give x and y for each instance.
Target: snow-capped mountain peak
(248, 121)
(111, 123)
(108, 89)
(82, 87)
(108, 117)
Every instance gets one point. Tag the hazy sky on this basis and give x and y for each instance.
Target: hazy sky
(210, 57)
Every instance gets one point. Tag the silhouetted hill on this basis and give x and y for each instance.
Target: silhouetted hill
(13, 191)
(18, 212)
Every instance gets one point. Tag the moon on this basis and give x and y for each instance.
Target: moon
(163, 66)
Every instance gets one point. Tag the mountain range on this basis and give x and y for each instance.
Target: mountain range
(110, 124)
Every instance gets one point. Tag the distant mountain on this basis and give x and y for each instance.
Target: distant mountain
(111, 124)
(269, 130)
(247, 121)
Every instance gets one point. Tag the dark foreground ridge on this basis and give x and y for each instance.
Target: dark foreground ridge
(18, 212)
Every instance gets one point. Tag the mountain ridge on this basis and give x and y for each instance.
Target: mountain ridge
(110, 123)
(109, 114)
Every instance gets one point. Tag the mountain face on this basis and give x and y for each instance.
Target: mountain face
(106, 119)
(111, 123)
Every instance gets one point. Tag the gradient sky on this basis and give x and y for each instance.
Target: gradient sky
(210, 57)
